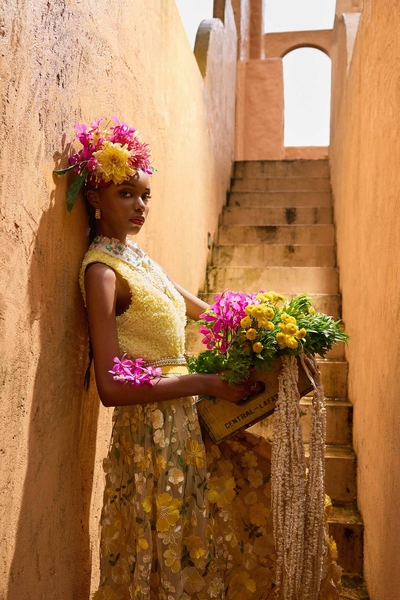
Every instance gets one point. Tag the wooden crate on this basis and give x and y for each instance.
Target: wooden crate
(222, 419)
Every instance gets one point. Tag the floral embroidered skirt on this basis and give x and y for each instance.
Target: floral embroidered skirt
(185, 519)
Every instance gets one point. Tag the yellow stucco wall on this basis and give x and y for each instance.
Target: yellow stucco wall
(62, 62)
(365, 158)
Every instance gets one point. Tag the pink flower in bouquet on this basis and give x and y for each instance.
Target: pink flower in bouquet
(134, 372)
(223, 319)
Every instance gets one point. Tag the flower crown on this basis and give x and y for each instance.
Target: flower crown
(109, 154)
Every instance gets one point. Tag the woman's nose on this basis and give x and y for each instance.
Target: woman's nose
(139, 204)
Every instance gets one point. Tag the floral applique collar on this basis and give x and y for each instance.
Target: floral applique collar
(130, 252)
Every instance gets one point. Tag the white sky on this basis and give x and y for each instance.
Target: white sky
(306, 71)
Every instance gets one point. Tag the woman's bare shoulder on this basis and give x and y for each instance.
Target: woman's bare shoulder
(98, 272)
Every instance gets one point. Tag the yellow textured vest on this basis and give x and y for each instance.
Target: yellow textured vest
(153, 327)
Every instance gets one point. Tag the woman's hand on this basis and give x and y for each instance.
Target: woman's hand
(213, 385)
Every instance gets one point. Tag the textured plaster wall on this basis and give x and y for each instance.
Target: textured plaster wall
(259, 110)
(365, 157)
(63, 61)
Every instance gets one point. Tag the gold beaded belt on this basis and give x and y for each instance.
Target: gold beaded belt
(174, 370)
(173, 365)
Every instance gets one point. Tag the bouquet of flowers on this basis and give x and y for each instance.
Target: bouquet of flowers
(245, 331)
(250, 331)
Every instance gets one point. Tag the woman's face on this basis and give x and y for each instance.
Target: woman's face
(124, 207)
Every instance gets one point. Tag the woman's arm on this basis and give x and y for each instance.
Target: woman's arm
(101, 298)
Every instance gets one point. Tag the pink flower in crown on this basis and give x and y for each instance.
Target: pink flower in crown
(122, 133)
(140, 155)
(92, 163)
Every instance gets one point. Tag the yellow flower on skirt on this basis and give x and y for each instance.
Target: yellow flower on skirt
(147, 504)
(105, 593)
(160, 464)
(221, 490)
(192, 580)
(195, 454)
(141, 542)
(173, 558)
(108, 540)
(167, 511)
(259, 514)
(241, 587)
(195, 546)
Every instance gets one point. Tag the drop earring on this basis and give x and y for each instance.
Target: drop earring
(97, 214)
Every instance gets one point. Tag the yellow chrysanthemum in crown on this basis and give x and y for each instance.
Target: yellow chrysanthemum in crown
(113, 162)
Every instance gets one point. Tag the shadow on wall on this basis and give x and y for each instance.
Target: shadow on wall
(57, 490)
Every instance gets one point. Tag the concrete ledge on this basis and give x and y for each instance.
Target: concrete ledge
(278, 44)
(306, 152)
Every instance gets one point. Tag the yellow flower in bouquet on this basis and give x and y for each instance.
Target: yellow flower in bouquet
(291, 342)
(258, 311)
(266, 324)
(251, 334)
(285, 318)
(281, 339)
(301, 334)
(268, 312)
(257, 347)
(290, 329)
(245, 322)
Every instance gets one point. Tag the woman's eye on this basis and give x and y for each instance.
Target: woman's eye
(146, 197)
(125, 193)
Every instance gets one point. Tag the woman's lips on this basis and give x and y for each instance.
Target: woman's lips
(137, 221)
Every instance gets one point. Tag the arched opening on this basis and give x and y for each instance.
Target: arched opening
(307, 97)
(192, 12)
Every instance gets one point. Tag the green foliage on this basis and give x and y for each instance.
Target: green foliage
(74, 188)
(63, 171)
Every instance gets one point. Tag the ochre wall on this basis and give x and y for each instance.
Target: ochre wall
(365, 158)
(63, 62)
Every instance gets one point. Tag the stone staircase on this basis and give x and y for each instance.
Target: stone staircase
(277, 233)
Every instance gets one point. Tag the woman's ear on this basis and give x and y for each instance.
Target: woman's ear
(93, 198)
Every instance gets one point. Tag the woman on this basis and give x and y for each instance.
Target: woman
(182, 518)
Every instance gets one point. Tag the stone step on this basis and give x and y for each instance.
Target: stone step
(354, 588)
(274, 255)
(339, 414)
(347, 529)
(276, 234)
(285, 199)
(317, 280)
(311, 215)
(281, 184)
(334, 378)
(340, 473)
(338, 352)
(281, 168)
